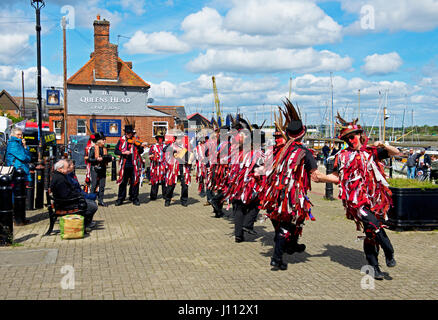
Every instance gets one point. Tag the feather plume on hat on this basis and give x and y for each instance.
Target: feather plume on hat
(289, 122)
(346, 128)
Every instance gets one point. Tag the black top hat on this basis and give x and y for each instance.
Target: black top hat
(295, 128)
(96, 137)
(129, 128)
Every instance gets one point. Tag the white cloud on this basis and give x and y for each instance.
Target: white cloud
(136, 6)
(268, 61)
(157, 42)
(417, 16)
(10, 79)
(381, 64)
(312, 93)
(263, 24)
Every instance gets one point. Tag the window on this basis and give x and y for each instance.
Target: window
(159, 127)
(57, 127)
(81, 127)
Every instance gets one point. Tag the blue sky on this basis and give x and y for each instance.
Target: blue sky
(253, 47)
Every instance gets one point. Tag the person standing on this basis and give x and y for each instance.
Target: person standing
(99, 159)
(326, 153)
(411, 164)
(201, 169)
(423, 166)
(18, 156)
(129, 149)
(158, 167)
(364, 190)
(178, 168)
(88, 147)
(17, 153)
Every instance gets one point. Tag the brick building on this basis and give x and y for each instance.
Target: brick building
(106, 94)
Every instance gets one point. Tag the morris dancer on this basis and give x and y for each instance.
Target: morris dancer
(364, 190)
(129, 150)
(90, 144)
(201, 169)
(178, 166)
(243, 185)
(286, 186)
(158, 167)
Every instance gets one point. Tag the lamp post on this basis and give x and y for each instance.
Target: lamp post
(38, 5)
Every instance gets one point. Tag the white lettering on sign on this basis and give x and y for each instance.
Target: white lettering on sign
(104, 100)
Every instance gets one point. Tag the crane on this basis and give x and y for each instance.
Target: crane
(216, 102)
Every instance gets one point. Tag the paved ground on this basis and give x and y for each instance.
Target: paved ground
(153, 252)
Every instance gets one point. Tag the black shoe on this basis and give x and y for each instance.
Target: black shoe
(202, 195)
(219, 215)
(136, 202)
(184, 204)
(378, 275)
(295, 248)
(391, 262)
(102, 204)
(249, 231)
(152, 199)
(239, 239)
(278, 264)
(166, 204)
(91, 225)
(119, 203)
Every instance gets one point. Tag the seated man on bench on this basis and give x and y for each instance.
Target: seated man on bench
(62, 189)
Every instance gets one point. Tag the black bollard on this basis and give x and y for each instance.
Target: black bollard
(329, 186)
(390, 167)
(6, 211)
(19, 197)
(30, 189)
(113, 170)
(39, 194)
(46, 173)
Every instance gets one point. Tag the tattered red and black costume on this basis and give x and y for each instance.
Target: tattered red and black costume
(364, 190)
(158, 169)
(130, 169)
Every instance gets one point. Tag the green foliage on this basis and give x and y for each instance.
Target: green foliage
(411, 183)
(14, 119)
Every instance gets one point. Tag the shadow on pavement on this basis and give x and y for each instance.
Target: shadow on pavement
(351, 258)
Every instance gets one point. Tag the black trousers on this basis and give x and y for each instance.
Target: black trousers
(244, 216)
(128, 176)
(375, 237)
(155, 187)
(286, 235)
(184, 188)
(98, 179)
(217, 202)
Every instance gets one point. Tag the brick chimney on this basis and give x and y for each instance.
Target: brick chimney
(105, 53)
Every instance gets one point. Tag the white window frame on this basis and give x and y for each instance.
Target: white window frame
(159, 124)
(56, 129)
(85, 127)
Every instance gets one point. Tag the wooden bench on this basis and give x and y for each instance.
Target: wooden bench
(55, 212)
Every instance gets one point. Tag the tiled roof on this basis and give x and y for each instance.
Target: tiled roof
(176, 111)
(197, 113)
(126, 77)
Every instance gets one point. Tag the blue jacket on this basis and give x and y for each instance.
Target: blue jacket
(71, 177)
(17, 156)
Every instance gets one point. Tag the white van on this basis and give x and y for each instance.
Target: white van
(5, 127)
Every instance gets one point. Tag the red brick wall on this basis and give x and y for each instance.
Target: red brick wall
(105, 53)
(143, 125)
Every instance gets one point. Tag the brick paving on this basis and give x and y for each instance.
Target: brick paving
(157, 253)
